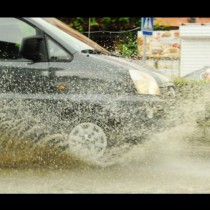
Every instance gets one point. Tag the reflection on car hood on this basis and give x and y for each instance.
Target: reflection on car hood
(161, 79)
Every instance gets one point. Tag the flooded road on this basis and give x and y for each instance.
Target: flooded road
(174, 160)
(157, 166)
(172, 176)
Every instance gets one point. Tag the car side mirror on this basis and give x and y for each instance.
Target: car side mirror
(30, 48)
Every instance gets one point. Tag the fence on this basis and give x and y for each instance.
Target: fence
(168, 65)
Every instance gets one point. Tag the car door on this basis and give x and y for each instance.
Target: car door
(63, 74)
(17, 74)
(79, 73)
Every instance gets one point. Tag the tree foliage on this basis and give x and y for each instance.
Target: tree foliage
(107, 23)
(126, 42)
(103, 23)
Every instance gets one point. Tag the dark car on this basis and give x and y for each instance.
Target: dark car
(103, 100)
(165, 84)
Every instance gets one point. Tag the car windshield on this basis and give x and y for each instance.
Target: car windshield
(80, 42)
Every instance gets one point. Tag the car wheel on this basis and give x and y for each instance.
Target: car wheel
(93, 139)
(89, 139)
(93, 134)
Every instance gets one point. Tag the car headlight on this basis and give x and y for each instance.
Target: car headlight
(144, 83)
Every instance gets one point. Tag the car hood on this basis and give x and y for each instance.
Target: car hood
(162, 80)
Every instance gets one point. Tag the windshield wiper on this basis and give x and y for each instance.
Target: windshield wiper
(95, 51)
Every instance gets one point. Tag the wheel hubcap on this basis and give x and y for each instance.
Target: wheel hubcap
(88, 139)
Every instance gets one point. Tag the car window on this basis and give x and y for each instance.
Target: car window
(56, 52)
(62, 26)
(75, 43)
(12, 31)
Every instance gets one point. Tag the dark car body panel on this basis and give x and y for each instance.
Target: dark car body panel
(89, 80)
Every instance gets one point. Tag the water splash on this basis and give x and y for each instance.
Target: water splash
(35, 137)
(179, 137)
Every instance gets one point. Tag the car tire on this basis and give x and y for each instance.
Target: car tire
(103, 147)
(92, 135)
(88, 139)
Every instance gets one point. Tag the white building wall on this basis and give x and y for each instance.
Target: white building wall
(195, 47)
(195, 30)
(195, 54)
